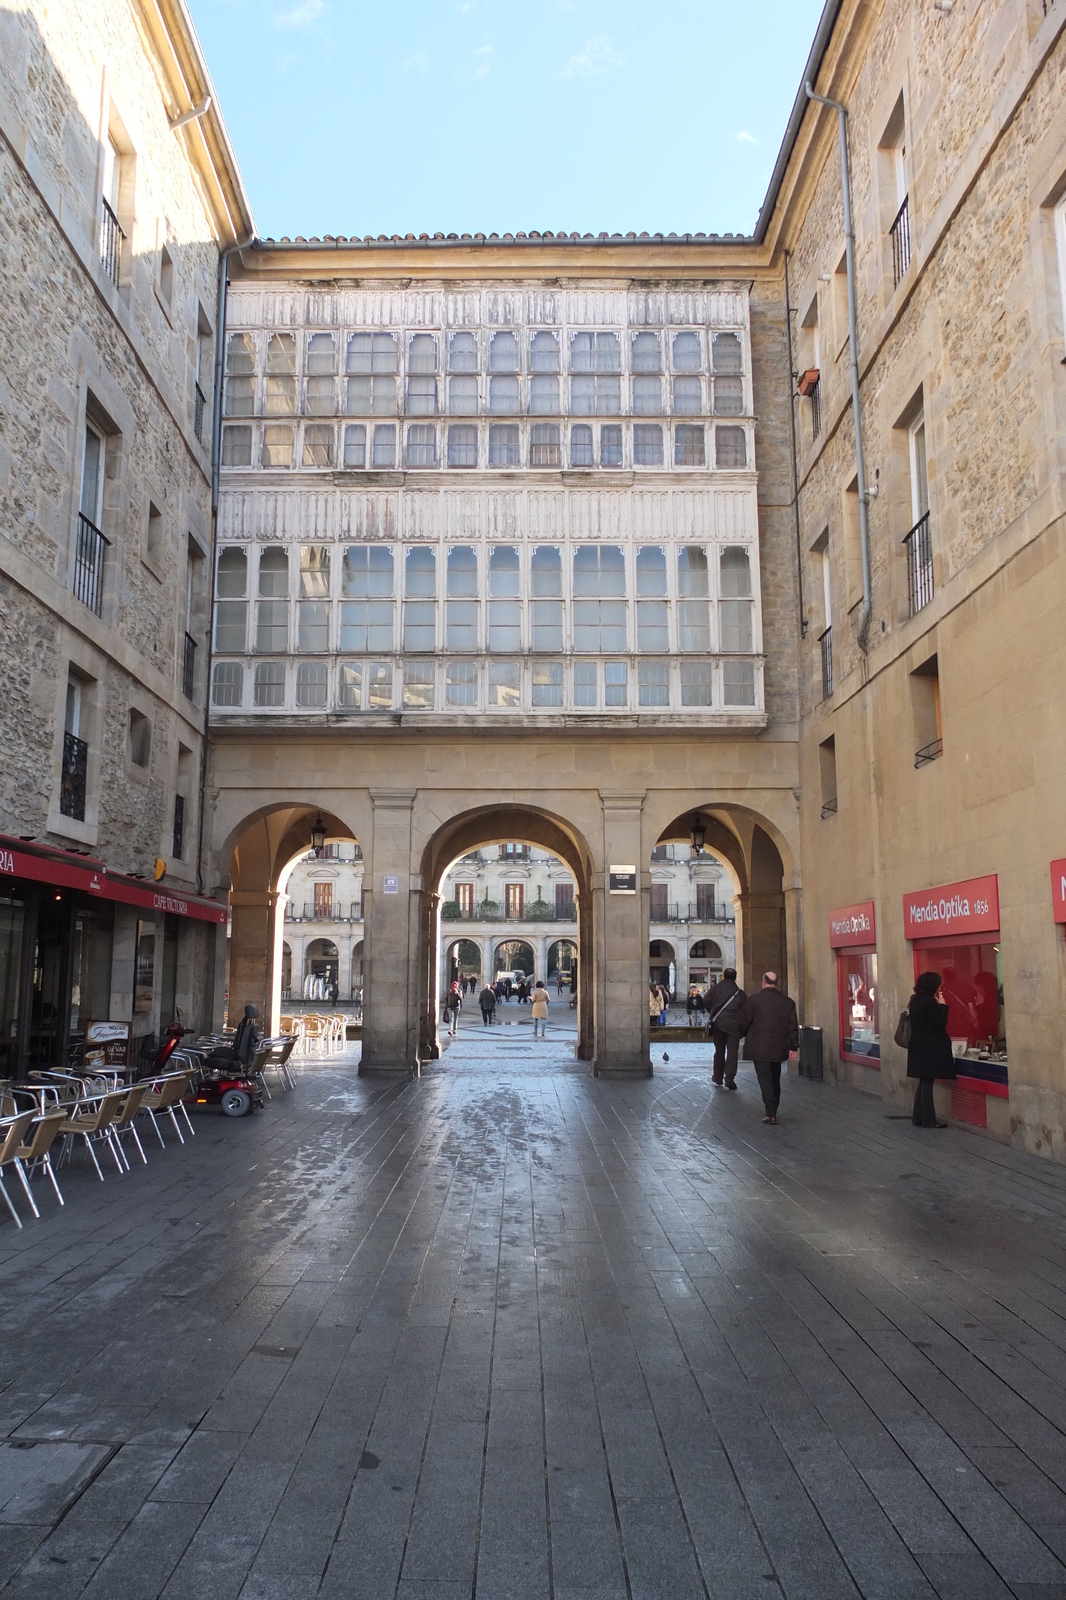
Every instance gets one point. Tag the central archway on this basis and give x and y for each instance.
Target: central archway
(477, 829)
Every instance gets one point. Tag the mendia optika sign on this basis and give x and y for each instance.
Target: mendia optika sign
(971, 906)
(1058, 889)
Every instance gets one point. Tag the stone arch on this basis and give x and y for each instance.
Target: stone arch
(500, 824)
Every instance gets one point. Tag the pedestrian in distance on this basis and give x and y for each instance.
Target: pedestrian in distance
(487, 1001)
(929, 1053)
(723, 1005)
(770, 1030)
(655, 1004)
(455, 1005)
(693, 1007)
(559, 981)
(540, 1010)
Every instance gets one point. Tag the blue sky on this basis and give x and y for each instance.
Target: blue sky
(465, 116)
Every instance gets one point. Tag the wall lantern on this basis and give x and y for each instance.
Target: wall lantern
(318, 835)
(699, 835)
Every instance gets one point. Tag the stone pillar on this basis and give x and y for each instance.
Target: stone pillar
(623, 1037)
(681, 986)
(392, 940)
(428, 1037)
(540, 959)
(251, 954)
(763, 937)
(275, 983)
(794, 944)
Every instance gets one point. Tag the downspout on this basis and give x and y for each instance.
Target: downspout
(216, 440)
(795, 459)
(853, 348)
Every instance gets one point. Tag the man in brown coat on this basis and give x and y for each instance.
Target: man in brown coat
(770, 1028)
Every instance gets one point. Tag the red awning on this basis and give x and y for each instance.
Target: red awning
(66, 869)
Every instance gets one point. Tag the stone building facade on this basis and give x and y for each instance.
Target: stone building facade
(112, 216)
(932, 759)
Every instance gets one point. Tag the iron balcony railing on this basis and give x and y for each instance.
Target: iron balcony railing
(188, 668)
(72, 783)
(901, 242)
(826, 645)
(928, 752)
(829, 809)
(111, 237)
(919, 548)
(89, 565)
(199, 405)
(495, 911)
(692, 912)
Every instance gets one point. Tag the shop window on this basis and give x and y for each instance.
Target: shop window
(857, 989)
(925, 709)
(827, 771)
(971, 986)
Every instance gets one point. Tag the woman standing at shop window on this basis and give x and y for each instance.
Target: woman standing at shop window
(929, 1054)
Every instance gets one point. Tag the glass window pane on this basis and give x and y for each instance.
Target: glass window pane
(504, 572)
(462, 572)
(366, 625)
(321, 355)
(462, 446)
(418, 685)
(647, 356)
(314, 571)
(694, 625)
(503, 446)
(583, 396)
(693, 571)
(581, 445)
(461, 623)
(647, 397)
(462, 397)
(372, 352)
(503, 352)
(232, 580)
(385, 445)
(277, 445)
(320, 399)
(688, 396)
(544, 448)
(355, 445)
(272, 626)
(738, 683)
(653, 681)
(461, 683)
(608, 397)
(318, 445)
(279, 398)
(240, 353)
(647, 445)
(730, 448)
(505, 625)
(547, 683)
(312, 625)
(547, 570)
(610, 446)
(547, 624)
(231, 624)
(240, 397)
(608, 353)
(282, 352)
(586, 674)
(544, 396)
(696, 683)
(420, 573)
(735, 572)
(227, 683)
(379, 686)
(350, 684)
(727, 353)
(503, 396)
(462, 353)
(236, 447)
(689, 446)
(419, 625)
(735, 616)
(544, 352)
(367, 571)
(653, 627)
(505, 683)
(729, 397)
(615, 683)
(312, 680)
(422, 353)
(422, 396)
(421, 446)
(651, 571)
(687, 356)
(269, 684)
(274, 573)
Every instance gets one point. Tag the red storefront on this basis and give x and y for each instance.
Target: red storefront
(853, 935)
(57, 931)
(1058, 890)
(954, 930)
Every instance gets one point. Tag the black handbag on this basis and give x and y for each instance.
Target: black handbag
(902, 1035)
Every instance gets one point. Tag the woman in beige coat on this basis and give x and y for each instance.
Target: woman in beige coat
(540, 1010)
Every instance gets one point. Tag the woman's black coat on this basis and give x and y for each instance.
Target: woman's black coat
(929, 1053)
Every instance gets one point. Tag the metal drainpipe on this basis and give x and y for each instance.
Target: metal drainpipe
(853, 347)
(216, 440)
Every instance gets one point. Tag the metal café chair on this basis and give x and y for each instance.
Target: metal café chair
(37, 1151)
(124, 1122)
(12, 1133)
(162, 1096)
(91, 1120)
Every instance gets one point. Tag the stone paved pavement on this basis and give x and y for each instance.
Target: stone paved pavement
(509, 1333)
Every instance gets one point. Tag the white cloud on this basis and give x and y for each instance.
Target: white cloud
(303, 15)
(481, 65)
(743, 137)
(598, 57)
(418, 62)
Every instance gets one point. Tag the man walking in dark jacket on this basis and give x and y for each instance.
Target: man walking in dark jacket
(723, 1005)
(770, 1028)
